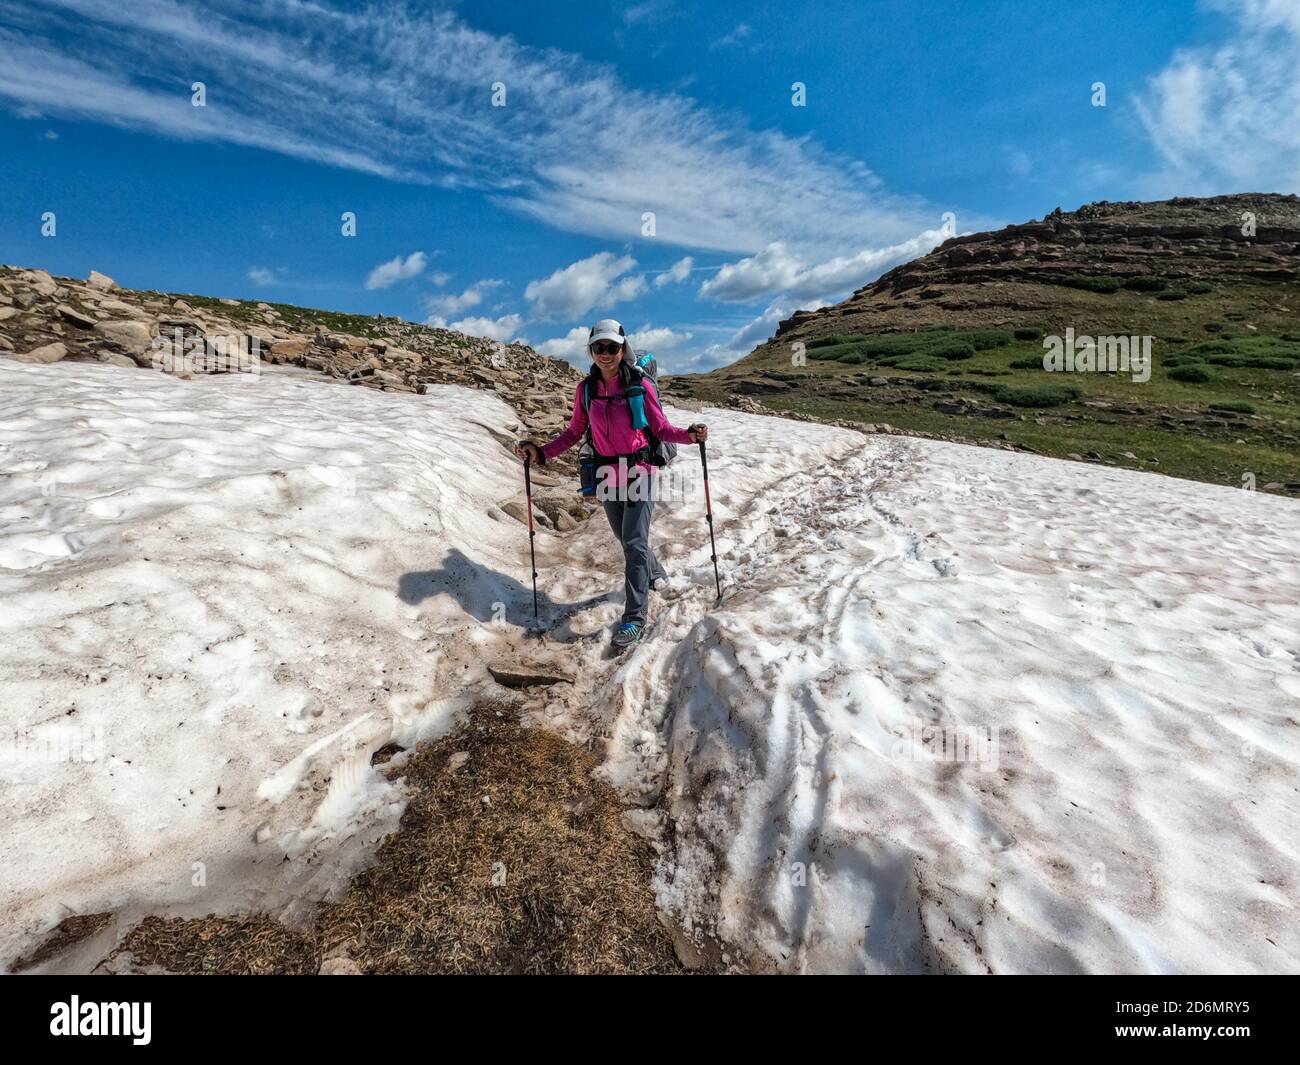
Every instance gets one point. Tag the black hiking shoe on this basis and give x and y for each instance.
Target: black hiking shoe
(628, 633)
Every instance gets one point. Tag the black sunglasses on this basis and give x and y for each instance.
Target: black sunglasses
(606, 347)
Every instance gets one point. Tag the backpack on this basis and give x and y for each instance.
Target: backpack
(640, 367)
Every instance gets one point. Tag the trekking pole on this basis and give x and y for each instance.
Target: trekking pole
(708, 512)
(532, 552)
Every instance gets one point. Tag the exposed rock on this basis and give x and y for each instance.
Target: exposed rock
(341, 966)
(131, 336)
(76, 316)
(527, 676)
(45, 353)
(518, 510)
(99, 281)
(114, 359)
(118, 307)
(41, 283)
(289, 348)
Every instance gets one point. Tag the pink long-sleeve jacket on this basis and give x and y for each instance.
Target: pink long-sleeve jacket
(611, 423)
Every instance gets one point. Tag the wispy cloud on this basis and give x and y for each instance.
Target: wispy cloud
(1224, 119)
(742, 33)
(777, 270)
(677, 273)
(404, 93)
(449, 304)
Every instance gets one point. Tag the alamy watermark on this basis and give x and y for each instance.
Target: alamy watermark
(56, 743)
(952, 743)
(624, 484)
(1101, 354)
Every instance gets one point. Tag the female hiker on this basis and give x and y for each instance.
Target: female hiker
(607, 406)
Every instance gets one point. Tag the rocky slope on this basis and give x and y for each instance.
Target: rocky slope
(1019, 273)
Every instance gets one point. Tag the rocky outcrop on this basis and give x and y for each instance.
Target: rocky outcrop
(1024, 270)
(47, 319)
(1221, 238)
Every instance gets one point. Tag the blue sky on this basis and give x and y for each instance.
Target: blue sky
(526, 220)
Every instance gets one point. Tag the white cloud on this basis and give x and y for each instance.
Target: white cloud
(261, 275)
(660, 339)
(391, 90)
(1224, 119)
(448, 305)
(571, 291)
(571, 346)
(504, 328)
(771, 270)
(776, 270)
(397, 269)
(675, 274)
(439, 278)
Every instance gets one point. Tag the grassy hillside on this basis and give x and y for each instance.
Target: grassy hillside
(957, 350)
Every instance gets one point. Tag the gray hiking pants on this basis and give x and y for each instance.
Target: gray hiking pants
(631, 524)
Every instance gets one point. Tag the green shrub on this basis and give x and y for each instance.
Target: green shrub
(1214, 327)
(1224, 360)
(932, 384)
(985, 373)
(1173, 294)
(1186, 358)
(1033, 363)
(1200, 288)
(952, 350)
(834, 340)
(1193, 375)
(1146, 283)
(1029, 332)
(853, 358)
(898, 344)
(1037, 395)
(984, 339)
(1212, 347)
(1234, 316)
(1234, 408)
(835, 352)
(1259, 362)
(1104, 285)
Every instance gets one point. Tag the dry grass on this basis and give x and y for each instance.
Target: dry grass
(515, 862)
(67, 933)
(231, 946)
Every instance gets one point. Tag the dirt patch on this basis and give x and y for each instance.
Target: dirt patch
(510, 859)
(67, 934)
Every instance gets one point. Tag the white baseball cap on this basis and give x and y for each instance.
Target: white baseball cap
(607, 329)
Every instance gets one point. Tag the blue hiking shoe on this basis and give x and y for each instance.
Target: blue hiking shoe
(628, 633)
